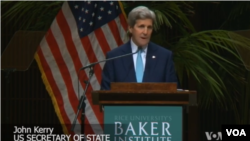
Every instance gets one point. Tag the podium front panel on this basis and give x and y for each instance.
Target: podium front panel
(143, 123)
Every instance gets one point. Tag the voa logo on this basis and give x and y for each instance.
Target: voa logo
(236, 132)
(213, 136)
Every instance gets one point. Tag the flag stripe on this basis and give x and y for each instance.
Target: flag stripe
(65, 31)
(73, 62)
(93, 118)
(96, 46)
(92, 58)
(92, 114)
(51, 93)
(102, 41)
(123, 22)
(97, 119)
(109, 37)
(62, 68)
(55, 89)
(71, 78)
(57, 78)
(113, 27)
(122, 31)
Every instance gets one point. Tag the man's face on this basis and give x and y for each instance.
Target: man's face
(141, 32)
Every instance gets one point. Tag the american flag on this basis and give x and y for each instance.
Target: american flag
(81, 33)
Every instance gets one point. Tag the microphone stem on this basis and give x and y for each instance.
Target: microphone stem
(90, 65)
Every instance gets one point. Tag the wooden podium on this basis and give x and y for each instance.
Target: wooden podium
(153, 94)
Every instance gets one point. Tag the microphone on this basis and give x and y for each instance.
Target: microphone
(92, 64)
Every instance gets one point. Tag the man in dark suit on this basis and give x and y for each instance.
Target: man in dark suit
(152, 63)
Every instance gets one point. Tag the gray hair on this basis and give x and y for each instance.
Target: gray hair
(140, 12)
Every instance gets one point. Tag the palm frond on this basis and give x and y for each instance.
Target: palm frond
(42, 15)
(202, 54)
(240, 9)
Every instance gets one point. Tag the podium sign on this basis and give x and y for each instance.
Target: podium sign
(148, 112)
(143, 123)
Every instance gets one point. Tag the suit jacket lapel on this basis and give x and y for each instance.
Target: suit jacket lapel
(128, 64)
(150, 63)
